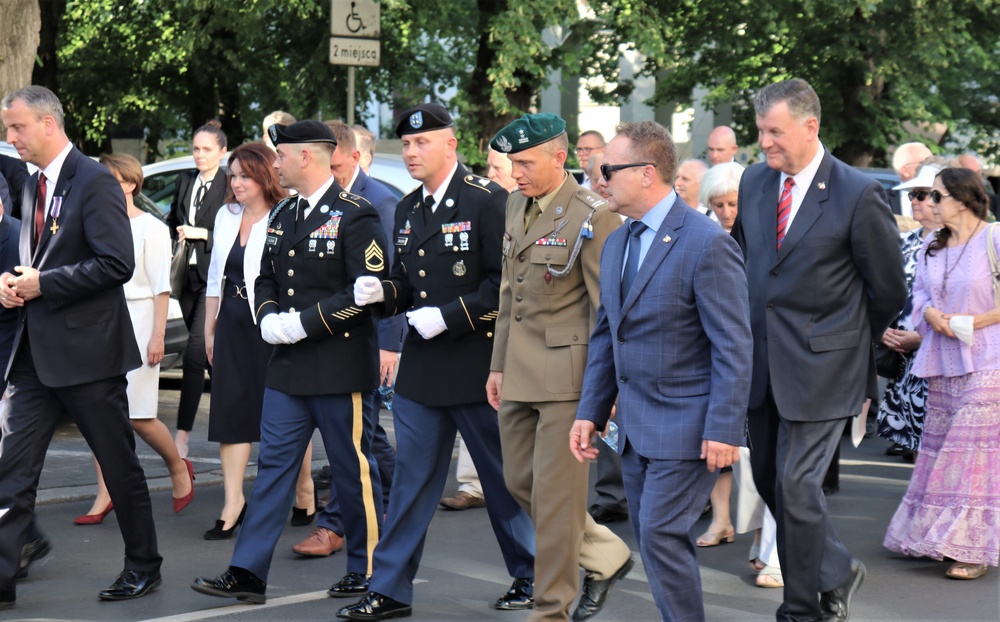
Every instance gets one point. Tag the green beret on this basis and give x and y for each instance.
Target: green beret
(529, 131)
(308, 131)
(423, 118)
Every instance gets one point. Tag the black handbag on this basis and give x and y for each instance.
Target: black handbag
(179, 269)
(888, 362)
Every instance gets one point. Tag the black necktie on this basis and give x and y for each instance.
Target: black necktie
(635, 229)
(199, 196)
(300, 212)
(429, 206)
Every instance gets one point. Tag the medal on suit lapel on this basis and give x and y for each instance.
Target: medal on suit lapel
(54, 212)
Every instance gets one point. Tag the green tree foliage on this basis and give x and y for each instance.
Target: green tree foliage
(876, 64)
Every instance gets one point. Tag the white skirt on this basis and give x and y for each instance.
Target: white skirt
(144, 382)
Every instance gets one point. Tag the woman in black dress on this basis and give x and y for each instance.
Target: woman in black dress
(233, 344)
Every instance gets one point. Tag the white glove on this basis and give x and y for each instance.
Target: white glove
(271, 330)
(291, 325)
(368, 289)
(188, 232)
(428, 321)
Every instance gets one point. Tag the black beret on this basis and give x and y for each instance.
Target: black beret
(529, 131)
(423, 118)
(308, 131)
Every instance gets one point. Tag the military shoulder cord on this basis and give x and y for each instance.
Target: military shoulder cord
(587, 226)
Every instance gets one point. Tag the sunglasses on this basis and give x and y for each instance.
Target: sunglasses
(936, 195)
(606, 170)
(918, 195)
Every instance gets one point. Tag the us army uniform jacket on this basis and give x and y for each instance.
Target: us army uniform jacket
(310, 267)
(449, 259)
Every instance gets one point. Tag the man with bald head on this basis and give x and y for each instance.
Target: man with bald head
(688, 183)
(722, 146)
(906, 161)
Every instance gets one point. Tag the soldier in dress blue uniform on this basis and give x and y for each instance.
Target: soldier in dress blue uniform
(325, 366)
(446, 278)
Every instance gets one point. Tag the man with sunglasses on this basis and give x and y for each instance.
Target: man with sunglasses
(672, 346)
(549, 293)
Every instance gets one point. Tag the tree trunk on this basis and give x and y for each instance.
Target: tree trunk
(20, 24)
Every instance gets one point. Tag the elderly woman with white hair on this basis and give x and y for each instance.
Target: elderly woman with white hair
(719, 190)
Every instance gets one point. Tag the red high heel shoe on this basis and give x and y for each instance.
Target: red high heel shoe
(180, 504)
(94, 519)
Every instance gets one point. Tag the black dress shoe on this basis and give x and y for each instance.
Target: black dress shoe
(131, 584)
(830, 490)
(836, 604)
(353, 584)
(521, 595)
(895, 450)
(595, 592)
(32, 552)
(601, 514)
(7, 598)
(374, 606)
(301, 517)
(237, 583)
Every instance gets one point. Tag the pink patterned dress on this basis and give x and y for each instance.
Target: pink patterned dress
(952, 505)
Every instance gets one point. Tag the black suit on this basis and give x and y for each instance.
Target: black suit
(192, 295)
(72, 349)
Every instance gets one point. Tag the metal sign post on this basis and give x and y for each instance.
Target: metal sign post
(355, 28)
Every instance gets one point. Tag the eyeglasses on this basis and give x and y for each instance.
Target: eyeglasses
(588, 150)
(606, 170)
(918, 195)
(936, 195)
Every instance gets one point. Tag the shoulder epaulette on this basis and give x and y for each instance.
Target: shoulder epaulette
(354, 199)
(591, 198)
(478, 182)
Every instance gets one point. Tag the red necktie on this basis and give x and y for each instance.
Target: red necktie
(784, 209)
(40, 207)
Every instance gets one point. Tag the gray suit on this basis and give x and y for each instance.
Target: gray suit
(815, 306)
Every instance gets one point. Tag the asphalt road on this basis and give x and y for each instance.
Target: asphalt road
(461, 570)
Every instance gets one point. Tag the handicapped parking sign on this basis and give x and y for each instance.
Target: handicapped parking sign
(355, 18)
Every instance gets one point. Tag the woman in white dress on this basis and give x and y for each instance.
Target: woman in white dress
(147, 294)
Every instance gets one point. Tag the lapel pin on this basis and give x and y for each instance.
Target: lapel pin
(821, 185)
(324, 209)
(666, 239)
(559, 211)
(449, 202)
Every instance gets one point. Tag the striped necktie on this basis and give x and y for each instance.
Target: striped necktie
(784, 209)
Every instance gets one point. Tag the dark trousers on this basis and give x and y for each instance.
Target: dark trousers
(789, 461)
(425, 440)
(286, 427)
(192, 301)
(385, 457)
(609, 487)
(100, 411)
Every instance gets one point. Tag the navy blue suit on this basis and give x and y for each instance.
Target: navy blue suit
(676, 352)
(390, 337)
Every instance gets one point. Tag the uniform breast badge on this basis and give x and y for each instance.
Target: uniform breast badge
(459, 268)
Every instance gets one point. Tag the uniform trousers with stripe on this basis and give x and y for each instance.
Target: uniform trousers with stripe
(286, 427)
(425, 441)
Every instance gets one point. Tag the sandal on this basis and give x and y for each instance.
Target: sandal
(709, 538)
(965, 571)
(770, 576)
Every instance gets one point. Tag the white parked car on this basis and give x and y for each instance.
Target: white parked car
(161, 177)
